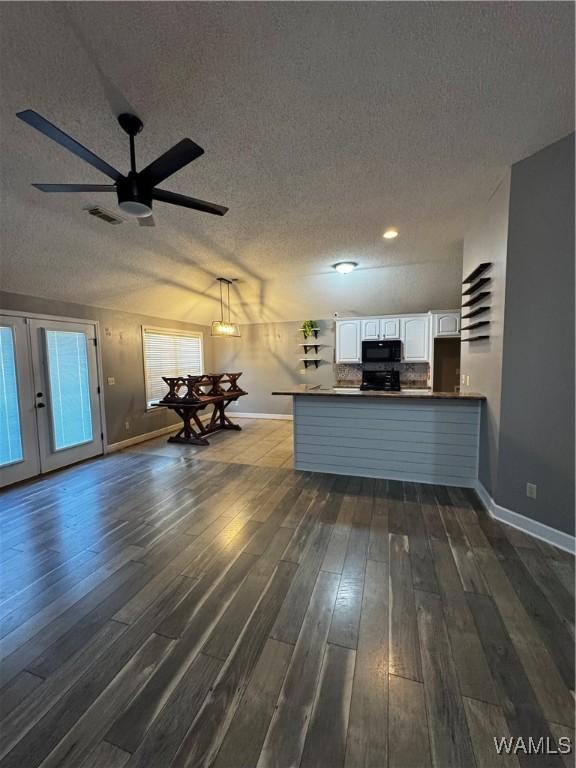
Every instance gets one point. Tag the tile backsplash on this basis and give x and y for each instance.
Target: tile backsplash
(411, 374)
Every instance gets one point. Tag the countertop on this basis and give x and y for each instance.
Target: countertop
(353, 392)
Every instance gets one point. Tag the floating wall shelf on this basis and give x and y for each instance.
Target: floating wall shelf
(309, 360)
(475, 299)
(476, 286)
(308, 333)
(313, 331)
(475, 325)
(475, 312)
(480, 269)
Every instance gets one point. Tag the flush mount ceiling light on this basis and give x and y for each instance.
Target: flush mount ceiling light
(345, 267)
(390, 234)
(224, 327)
(135, 208)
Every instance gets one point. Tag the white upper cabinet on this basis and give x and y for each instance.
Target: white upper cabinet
(414, 334)
(348, 347)
(371, 329)
(375, 328)
(390, 327)
(446, 324)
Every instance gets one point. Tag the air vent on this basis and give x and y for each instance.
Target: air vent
(102, 213)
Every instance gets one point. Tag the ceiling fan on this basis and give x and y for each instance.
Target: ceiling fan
(137, 189)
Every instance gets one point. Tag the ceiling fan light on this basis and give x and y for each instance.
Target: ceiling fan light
(135, 209)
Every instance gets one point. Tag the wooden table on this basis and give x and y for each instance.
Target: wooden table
(215, 389)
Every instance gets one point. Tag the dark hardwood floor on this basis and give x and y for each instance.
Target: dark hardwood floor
(161, 610)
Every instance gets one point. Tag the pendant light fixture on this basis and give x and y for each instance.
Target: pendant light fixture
(224, 327)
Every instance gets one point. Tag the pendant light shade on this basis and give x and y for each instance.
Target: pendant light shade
(224, 327)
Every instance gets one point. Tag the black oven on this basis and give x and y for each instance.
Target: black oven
(387, 381)
(385, 351)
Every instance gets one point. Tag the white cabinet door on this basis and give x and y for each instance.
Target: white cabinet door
(415, 339)
(370, 330)
(390, 328)
(381, 328)
(348, 341)
(447, 324)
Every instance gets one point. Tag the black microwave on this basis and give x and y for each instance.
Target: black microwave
(382, 351)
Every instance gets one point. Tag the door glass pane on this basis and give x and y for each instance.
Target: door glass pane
(69, 388)
(10, 435)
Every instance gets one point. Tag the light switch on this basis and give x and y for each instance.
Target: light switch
(110, 380)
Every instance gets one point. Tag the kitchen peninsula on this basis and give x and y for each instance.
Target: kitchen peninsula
(429, 437)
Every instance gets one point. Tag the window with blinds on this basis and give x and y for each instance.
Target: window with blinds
(169, 353)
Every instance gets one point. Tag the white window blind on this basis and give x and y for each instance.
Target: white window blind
(69, 377)
(169, 353)
(10, 430)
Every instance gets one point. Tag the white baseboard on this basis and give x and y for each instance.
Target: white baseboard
(533, 527)
(113, 447)
(281, 416)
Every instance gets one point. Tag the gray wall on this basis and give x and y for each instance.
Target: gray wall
(537, 422)
(122, 358)
(268, 354)
(482, 361)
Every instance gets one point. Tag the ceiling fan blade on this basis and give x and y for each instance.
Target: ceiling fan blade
(188, 202)
(54, 133)
(147, 221)
(75, 187)
(171, 161)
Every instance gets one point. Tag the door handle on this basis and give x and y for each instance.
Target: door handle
(40, 405)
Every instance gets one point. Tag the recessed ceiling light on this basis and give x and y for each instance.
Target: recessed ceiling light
(345, 267)
(390, 233)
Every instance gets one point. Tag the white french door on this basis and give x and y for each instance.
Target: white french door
(19, 456)
(49, 396)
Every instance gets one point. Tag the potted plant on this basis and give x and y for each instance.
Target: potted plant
(309, 329)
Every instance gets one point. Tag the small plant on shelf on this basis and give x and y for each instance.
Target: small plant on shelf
(309, 329)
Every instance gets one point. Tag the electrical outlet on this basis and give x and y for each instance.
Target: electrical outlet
(463, 379)
(531, 490)
(126, 425)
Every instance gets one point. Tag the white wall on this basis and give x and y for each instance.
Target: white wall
(487, 240)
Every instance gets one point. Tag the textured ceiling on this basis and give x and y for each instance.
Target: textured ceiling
(323, 123)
